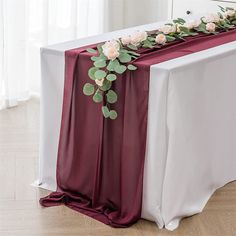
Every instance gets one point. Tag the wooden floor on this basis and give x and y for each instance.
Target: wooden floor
(21, 215)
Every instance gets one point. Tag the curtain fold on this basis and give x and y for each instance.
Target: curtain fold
(28, 25)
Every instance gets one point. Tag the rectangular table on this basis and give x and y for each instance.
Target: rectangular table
(191, 133)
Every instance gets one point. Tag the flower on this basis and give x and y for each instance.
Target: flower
(126, 40)
(230, 13)
(211, 18)
(192, 24)
(111, 49)
(99, 82)
(167, 29)
(211, 27)
(138, 37)
(161, 39)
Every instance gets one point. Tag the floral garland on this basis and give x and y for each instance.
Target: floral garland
(115, 57)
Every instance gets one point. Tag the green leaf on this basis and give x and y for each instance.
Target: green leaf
(184, 29)
(179, 21)
(132, 67)
(120, 69)
(99, 47)
(147, 44)
(93, 58)
(100, 63)
(91, 50)
(151, 39)
(170, 38)
(106, 85)
(111, 77)
(97, 97)
(111, 96)
(124, 57)
(133, 53)
(132, 47)
(112, 64)
(105, 111)
(91, 72)
(113, 114)
(88, 89)
(100, 74)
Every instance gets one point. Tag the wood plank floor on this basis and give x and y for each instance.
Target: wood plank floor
(21, 215)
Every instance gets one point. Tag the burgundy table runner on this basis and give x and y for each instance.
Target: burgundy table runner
(100, 161)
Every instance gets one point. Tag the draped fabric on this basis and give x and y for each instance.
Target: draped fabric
(27, 25)
(100, 161)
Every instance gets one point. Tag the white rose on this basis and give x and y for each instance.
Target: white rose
(211, 18)
(111, 49)
(167, 29)
(126, 40)
(211, 27)
(138, 37)
(161, 39)
(99, 82)
(230, 13)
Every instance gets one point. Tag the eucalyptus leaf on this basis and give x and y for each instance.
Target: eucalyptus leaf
(170, 38)
(91, 50)
(105, 111)
(93, 58)
(91, 72)
(132, 67)
(120, 69)
(100, 74)
(88, 89)
(97, 97)
(131, 46)
(124, 57)
(100, 63)
(111, 77)
(106, 85)
(111, 96)
(133, 53)
(184, 29)
(99, 47)
(113, 114)
(112, 64)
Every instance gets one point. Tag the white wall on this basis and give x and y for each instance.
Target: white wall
(128, 13)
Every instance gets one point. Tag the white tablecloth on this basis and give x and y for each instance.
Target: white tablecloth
(191, 141)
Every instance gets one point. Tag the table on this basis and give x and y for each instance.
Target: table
(191, 133)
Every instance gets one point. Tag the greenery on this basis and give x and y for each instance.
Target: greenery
(105, 71)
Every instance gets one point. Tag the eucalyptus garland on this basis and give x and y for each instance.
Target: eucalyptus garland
(115, 57)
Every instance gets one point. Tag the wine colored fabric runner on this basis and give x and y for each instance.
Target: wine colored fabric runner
(101, 161)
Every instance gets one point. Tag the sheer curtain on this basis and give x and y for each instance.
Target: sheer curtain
(27, 25)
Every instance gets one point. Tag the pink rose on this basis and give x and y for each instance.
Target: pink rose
(211, 27)
(211, 18)
(99, 82)
(192, 24)
(167, 29)
(126, 40)
(138, 37)
(111, 49)
(161, 39)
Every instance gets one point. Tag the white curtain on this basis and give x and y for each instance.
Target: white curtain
(27, 25)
